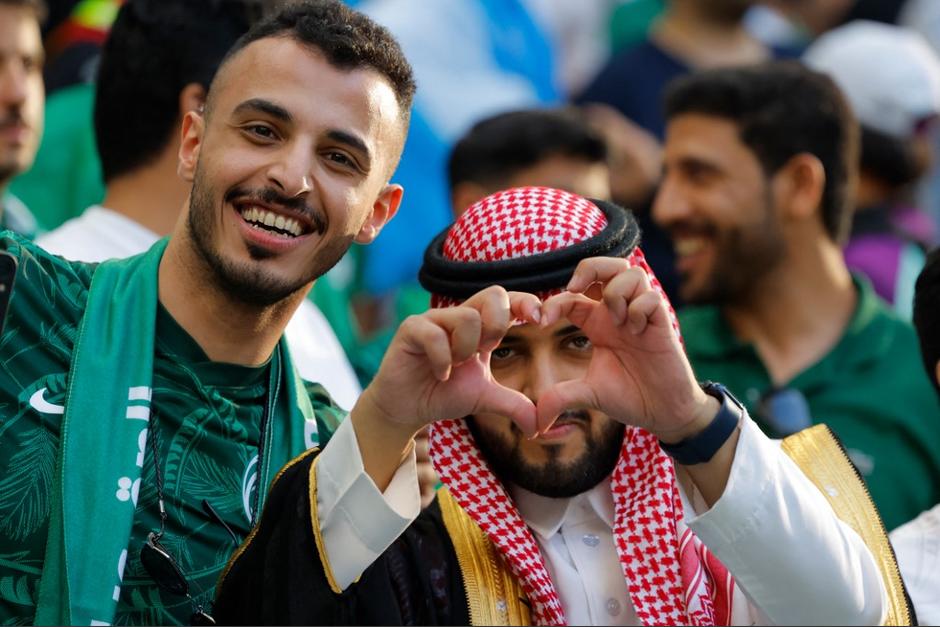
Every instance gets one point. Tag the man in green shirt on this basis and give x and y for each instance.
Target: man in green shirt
(146, 404)
(757, 198)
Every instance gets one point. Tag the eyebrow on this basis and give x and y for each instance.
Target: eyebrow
(568, 330)
(261, 105)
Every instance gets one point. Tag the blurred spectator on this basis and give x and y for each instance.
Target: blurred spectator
(891, 78)
(21, 102)
(917, 543)
(794, 24)
(471, 60)
(156, 65)
(691, 35)
(66, 176)
(759, 166)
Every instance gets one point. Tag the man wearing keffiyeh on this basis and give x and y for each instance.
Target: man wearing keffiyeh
(552, 371)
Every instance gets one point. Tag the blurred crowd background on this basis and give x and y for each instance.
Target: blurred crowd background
(606, 63)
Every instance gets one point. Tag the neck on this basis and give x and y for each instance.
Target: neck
(690, 32)
(226, 329)
(799, 311)
(151, 195)
(4, 185)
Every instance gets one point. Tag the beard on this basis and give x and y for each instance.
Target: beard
(553, 478)
(744, 255)
(251, 283)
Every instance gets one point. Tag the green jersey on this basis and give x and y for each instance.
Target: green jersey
(205, 421)
(870, 389)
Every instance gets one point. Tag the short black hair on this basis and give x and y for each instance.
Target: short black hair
(347, 38)
(37, 6)
(498, 147)
(890, 159)
(927, 313)
(155, 48)
(782, 109)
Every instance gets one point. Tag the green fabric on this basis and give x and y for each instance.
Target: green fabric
(870, 389)
(208, 426)
(66, 175)
(630, 22)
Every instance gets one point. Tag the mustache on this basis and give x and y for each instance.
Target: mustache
(574, 414)
(271, 197)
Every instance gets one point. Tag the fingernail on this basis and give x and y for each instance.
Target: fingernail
(537, 316)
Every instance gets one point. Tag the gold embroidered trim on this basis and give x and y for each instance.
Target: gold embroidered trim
(494, 596)
(317, 535)
(823, 460)
(251, 535)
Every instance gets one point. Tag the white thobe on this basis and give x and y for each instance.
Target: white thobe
(100, 233)
(917, 545)
(793, 560)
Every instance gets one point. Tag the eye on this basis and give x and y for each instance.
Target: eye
(261, 131)
(579, 343)
(341, 159)
(502, 354)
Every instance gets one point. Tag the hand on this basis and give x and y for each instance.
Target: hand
(634, 155)
(638, 374)
(437, 365)
(427, 477)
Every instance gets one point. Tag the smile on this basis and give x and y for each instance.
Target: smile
(273, 223)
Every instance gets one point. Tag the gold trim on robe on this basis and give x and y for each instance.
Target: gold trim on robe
(824, 461)
(494, 596)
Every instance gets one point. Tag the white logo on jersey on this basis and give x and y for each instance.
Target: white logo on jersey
(40, 404)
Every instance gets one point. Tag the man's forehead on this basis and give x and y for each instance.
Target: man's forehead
(21, 32)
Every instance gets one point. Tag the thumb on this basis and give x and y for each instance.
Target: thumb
(576, 394)
(502, 401)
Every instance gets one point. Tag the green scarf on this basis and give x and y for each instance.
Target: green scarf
(104, 435)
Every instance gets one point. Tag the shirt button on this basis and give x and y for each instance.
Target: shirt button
(613, 607)
(590, 540)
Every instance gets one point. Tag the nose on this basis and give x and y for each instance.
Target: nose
(670, 204)
(291, 170)
(542, 372)
(13, 83)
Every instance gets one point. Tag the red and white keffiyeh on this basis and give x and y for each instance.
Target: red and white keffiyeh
(671, 577)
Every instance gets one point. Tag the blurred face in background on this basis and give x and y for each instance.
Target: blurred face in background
(716, 202)
(22, 94)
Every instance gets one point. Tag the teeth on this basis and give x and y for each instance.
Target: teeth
(689, 246)
(263, 217)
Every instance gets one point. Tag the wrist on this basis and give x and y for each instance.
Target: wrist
(371, 420)
(703, 443)
(702, 412)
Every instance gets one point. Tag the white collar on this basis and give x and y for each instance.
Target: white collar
(545, 515)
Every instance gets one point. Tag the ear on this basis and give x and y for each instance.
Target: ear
(383, 210)
(799, 185)
(192, 98)
(190, 143)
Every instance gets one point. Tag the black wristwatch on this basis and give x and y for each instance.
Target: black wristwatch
(701, 447)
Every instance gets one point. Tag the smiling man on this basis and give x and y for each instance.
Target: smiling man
(147, 403)
(22, 97)
(589, 479)
(757, 195)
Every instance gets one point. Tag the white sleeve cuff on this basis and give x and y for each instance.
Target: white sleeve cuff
(357, 522)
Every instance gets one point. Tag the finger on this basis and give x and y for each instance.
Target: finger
(525, 307)
(465, 336)
(422, 446)
(596, 270)
(648, 309)
(623, 289)
(574, 307)
(574, 394)
(421, 335)
(493, 305)
(510, 403)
